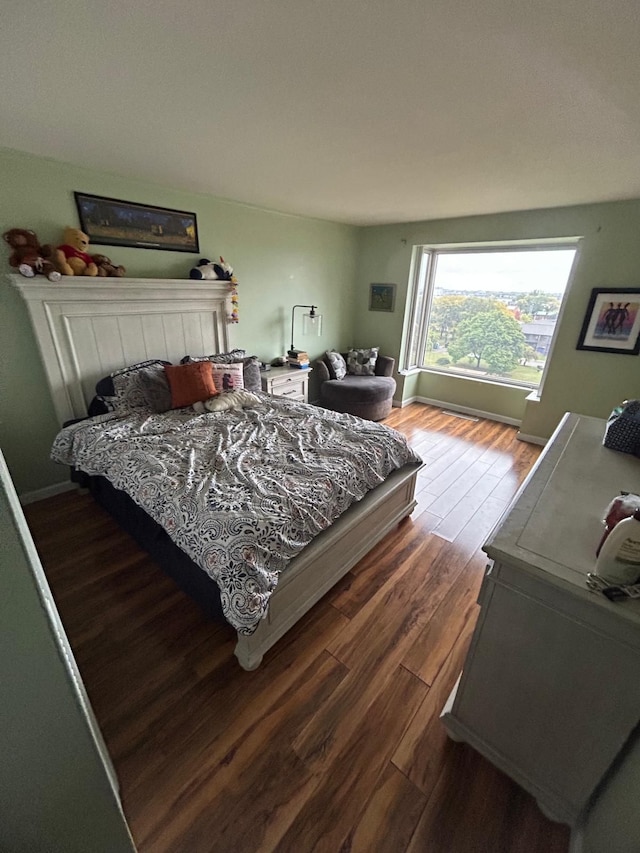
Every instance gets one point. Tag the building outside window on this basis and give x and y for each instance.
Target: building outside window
(488, 311)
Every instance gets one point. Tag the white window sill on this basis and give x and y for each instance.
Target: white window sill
(517, 386)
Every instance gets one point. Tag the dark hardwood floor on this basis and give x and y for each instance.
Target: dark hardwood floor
(334, 743)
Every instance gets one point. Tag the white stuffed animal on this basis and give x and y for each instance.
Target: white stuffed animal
(239, 399)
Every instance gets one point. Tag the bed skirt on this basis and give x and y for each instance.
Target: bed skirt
(160, 547)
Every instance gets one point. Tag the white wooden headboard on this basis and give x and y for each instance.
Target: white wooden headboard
(87, 327)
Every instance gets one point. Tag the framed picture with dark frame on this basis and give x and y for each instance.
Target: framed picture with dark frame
(612, 321)
(112, 222)
(382, 297)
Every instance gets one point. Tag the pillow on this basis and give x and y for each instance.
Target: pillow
(140, 386)
(251, 375)
(227, 377)
(230, 357)
(190, 383)
(336, 364)
(362, 362)
(251, 365)
(102, 405)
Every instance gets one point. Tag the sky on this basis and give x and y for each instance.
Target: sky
(519, 271)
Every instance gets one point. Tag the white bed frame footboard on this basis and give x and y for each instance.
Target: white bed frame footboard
(87, 327)
(328, 558)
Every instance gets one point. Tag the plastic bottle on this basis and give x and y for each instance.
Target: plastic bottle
(621, 507)
(619, 558)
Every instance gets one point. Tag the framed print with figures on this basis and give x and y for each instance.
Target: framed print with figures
(612, 321)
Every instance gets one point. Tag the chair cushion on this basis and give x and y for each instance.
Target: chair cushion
(358, 389)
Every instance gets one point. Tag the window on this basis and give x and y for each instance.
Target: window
(488, 311)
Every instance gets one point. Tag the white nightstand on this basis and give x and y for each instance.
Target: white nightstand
(288, 382)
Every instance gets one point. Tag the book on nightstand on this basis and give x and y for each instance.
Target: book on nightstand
(298, 359)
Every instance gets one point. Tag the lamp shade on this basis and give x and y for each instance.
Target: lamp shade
(312, 324)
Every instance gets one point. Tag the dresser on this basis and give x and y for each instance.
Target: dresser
(550, 689)
(291, 382)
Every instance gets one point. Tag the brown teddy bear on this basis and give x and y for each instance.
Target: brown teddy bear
(72, 255)
(106, 268)
(28, 256)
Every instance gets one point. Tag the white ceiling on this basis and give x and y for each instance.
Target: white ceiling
(360, 111)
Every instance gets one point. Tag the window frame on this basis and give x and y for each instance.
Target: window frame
(423, 291)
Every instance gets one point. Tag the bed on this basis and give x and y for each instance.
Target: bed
(86, 330)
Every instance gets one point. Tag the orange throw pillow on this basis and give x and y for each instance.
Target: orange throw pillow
(190, 383)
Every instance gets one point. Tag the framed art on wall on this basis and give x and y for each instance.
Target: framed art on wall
(382, 297)
(112, 222)
(612, 321)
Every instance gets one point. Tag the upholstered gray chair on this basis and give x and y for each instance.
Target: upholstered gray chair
(369, 397)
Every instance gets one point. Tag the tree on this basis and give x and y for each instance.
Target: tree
(494, 336)
(538, 302)
(448, 311)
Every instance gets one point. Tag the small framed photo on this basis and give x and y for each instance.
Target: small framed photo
(382, 297)
(112, 222)
(612, 321)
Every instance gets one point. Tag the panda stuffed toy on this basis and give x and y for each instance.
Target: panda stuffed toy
(212, 271)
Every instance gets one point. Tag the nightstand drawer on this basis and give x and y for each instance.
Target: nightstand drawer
(291, 387)
(287, 382)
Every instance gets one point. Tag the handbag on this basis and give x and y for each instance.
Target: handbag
(623, 428)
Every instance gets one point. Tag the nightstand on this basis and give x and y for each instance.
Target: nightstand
(288, 382)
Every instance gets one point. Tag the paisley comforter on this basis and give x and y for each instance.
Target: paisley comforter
(241, 492)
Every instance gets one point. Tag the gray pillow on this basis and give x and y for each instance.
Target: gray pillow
(362, 362)
(231, 357)
(141, 386)
(251, 374)
(336, 364)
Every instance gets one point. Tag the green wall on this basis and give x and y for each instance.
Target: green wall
(279, 260)
(585, 382)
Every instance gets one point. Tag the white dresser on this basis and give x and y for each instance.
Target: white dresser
(550, 689)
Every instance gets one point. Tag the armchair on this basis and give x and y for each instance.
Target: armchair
(369, 397)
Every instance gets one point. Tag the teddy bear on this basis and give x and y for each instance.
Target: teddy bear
(28, 256)
(212, 271)
(72, 255)
(106, 268)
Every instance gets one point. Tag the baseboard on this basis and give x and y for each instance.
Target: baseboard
(531, 439)
(47, 492)
(466, 410)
